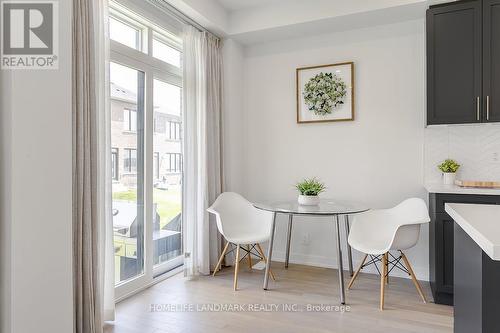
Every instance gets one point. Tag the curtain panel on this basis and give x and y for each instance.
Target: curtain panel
(202, 98)
(92, 229)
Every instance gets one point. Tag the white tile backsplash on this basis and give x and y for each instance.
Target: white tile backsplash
(475, 147)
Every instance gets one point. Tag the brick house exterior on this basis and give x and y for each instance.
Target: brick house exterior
(167, 157)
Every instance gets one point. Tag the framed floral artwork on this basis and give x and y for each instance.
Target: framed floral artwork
(325, 93)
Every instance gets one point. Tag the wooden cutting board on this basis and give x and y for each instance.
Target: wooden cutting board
(474, 183)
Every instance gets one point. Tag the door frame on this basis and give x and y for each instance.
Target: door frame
(155, 69)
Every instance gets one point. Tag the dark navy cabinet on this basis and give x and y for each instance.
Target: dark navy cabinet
(441, 242)
(463, 62)
(491, 60)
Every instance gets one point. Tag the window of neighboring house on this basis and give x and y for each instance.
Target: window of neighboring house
(129, 120)
(156, 165)
(114, 163)
(174, 130)
(159, 124)
(174, 162)
(178, 131)
(130, 160)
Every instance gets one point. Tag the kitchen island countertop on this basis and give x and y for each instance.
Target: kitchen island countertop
(481, 223)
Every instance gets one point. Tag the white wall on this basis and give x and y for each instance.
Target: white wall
(376, 159)
(36, 194)
(5, 220)
(475, 147)
(233, 116)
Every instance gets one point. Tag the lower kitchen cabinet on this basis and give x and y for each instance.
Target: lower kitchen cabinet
(441, 241)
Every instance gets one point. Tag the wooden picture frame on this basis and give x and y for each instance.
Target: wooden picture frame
(343, 111)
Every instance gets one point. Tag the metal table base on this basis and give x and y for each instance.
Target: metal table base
(339, 251)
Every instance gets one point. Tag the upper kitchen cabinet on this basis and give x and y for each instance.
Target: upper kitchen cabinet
(491, 60)
(454, 60)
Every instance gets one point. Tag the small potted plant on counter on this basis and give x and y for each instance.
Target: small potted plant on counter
(449, 168)
(309, 190)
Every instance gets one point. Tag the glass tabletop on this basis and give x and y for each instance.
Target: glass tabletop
(325, 207)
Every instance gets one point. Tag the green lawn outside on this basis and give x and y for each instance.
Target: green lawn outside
(168, 202)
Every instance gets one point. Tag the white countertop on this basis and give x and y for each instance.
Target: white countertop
(481, 223)
(454, 189)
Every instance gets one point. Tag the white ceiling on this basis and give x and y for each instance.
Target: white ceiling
(232, 5)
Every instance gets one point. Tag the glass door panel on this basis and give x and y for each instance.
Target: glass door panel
(127, 140)
(167, 173)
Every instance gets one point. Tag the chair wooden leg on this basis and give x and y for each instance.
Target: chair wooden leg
(236, 266)
(383, 280)
(259, 249)
(249, 257)
(219, 263)
(357, 272)
(413, 277)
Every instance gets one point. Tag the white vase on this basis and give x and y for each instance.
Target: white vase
(308, 200)
(449, 178)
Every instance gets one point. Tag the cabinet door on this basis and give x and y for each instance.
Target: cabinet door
(491, 60)
(454, 63)
(444, 250)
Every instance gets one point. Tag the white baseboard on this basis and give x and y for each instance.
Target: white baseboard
(422, 273)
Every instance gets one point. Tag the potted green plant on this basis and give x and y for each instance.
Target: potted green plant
(449, 168)
(309, 190)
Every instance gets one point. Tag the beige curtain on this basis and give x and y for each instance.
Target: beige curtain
(92, 242)
(202, 91)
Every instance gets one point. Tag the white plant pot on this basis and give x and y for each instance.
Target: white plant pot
(308, 200)
(449, 178)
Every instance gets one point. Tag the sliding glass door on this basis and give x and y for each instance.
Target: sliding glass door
(146, 149)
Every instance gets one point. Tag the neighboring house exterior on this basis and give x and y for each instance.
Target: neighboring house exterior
(167, 155)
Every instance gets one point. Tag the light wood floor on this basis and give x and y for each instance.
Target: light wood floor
(298, 285)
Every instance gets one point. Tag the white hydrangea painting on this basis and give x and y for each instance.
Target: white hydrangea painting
(325, 93)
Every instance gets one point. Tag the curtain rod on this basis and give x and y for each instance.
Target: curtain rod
(177, 14)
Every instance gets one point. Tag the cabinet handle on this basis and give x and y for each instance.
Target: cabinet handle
(488, 107)
(477, 107)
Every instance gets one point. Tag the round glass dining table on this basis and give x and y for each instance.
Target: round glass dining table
(326, 207)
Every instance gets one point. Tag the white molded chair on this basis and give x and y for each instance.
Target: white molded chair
(241, 224)
(377, 232)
